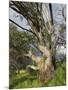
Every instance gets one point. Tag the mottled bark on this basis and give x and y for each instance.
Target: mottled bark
(44, 64)
(36, 15)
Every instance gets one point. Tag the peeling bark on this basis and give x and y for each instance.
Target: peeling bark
(44, 64)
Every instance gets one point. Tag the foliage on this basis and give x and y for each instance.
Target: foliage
(19, 44)
(19, 39)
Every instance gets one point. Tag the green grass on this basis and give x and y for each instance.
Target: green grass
(27, 80)
(59, 76)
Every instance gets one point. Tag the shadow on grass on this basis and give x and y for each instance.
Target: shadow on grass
(22, 79)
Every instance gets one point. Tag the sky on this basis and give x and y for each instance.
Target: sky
(13, 16)
(56, 16)
(56, 11)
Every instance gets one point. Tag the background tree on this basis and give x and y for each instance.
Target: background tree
(19, 44)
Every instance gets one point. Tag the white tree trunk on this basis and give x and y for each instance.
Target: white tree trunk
(44, 63)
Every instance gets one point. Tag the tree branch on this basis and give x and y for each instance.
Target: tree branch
(24, 28)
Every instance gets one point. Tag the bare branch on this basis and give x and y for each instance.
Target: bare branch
(63, 13)
(23, 28)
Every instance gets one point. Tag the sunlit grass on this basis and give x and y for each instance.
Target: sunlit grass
(26, 80)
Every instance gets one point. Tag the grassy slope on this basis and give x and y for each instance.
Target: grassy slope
(26, 80)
